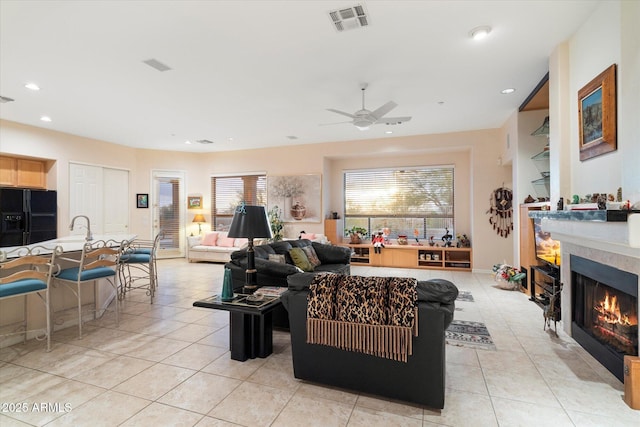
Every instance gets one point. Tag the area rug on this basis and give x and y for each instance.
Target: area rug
(464, 296)
(463, 333)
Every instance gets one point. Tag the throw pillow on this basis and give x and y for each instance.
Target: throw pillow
(311, 256)
(226, 242)
(300, 259)
(277, 258)
(210, 239)
(309, 236)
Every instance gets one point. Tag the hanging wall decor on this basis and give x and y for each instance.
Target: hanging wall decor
(501, 211)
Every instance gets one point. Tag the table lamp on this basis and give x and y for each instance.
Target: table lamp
(199, 218)
(250, 222)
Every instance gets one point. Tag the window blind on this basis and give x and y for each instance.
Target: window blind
(227, 192)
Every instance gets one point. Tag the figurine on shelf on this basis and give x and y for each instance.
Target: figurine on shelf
(378, 242)
(431, 241)
(385, 233)
(416, 234)
(463, 241)
(447, 238)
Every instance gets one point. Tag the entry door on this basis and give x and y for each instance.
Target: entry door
(169, 212)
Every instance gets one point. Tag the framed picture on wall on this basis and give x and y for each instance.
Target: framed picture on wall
(142, 200)
(597, 115)
(194, 202)
(298, 197)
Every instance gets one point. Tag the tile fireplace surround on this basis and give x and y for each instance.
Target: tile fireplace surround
(613, 243)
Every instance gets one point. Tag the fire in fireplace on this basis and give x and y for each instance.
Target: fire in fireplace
(604, 312)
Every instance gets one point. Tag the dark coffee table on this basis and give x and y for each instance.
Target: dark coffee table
(251, 324)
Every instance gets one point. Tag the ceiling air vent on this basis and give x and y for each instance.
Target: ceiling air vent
(204, 141)
(154, 63)
(349, 18)
(5, 99)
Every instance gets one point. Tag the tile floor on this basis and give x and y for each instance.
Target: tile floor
(168, 364)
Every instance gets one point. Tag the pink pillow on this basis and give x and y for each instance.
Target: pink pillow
(210, 239)
(309, 236)
(226, 242)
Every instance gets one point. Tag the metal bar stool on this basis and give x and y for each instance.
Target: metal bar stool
(99, 260)
(139, 267)
(25, 271)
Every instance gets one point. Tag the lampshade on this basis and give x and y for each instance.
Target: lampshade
(199, 218)
(542, 130)
(250, 222)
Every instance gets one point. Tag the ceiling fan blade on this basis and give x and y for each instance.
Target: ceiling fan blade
(393, 120)
(341, 112)
(335, 123)
(377, 114)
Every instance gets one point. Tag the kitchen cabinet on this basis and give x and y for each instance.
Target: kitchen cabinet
(23, 173)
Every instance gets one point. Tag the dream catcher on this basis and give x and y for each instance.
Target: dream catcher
(501, 211)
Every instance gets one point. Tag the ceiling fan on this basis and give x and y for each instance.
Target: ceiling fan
(363, 119)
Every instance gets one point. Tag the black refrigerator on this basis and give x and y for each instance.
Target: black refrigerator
(27, 216)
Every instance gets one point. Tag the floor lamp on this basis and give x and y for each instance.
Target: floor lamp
(250, 222)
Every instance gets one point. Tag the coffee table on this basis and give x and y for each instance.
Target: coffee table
(250, 324)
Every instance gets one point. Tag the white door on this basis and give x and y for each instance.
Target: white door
(102, 194)
(168, 203)
(116, 201)
(85, 197)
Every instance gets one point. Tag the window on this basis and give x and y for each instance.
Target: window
(227, 192)
(403, 200)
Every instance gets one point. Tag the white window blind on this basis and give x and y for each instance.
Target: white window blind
(227, 192)
(403, 200)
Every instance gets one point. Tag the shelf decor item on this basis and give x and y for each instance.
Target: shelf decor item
(356, 234)
(597, 115)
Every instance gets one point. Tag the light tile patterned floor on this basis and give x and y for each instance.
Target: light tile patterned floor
(168, 364)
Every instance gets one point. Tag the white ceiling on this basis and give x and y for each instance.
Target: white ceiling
(259, 71)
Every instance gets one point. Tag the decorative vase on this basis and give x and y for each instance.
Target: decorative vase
(227, 286)
(298, 211)
(402, 240)
(355, 239)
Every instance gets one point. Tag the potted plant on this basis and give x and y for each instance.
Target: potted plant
(356, 234)
(276, 224)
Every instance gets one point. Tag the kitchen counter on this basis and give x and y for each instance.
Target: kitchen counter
(68, 243)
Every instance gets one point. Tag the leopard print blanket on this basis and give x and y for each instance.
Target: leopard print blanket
(372, 315)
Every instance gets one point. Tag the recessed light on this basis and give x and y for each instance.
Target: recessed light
(479, 33)
(187, 142)
(388, 131)
(32, 86)
(507, 91)
(45, 118)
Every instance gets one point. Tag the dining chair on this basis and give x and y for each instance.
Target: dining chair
(25, 271)
(99, 260)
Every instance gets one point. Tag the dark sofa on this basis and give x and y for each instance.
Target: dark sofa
(334, 259)
(420, 380)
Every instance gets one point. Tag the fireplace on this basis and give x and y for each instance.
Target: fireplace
(604, 312)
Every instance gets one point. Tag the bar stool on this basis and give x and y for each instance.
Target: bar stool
(139, 267)
(25, 271)
(99, 260)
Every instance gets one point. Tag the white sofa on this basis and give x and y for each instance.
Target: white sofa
(216, 246)
(213, 246)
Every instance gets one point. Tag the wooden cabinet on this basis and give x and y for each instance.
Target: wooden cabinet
(334, 230)
(16, 172)
(527, 239)
(408, 256)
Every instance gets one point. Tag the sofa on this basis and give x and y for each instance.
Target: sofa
(213, 246)
(421, 379)
(274, 264)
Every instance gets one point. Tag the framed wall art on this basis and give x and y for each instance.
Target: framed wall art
(298, 197)
(142, 200)
(597, 115)
(194, 202)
